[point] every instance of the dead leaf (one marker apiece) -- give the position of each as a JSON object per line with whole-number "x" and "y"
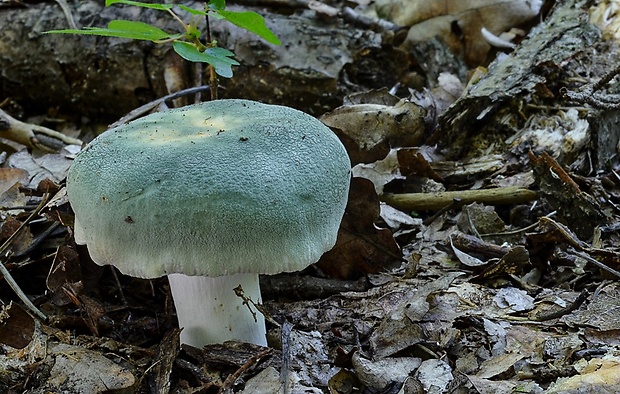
{"x": 78, "y": 370}
{"x": 603, "y": 311}
{"x": 65, "y": 270}
{"x": 511, "y": 263}
{"x": 167, "y": 352}
{"x": 465, "y": 258}
{"x": 10, "y": 176}
{"x": 92, "y": 310}
{"x": 22, "y": 241}
{"x": 511, "y": 300}
{"x": 16, "y": 326}
{"x": 412, "y": 162}
{"x": 40, "y": 166}
{"x": 401, "y": 328}
{"x": 381, "y": 172}
{"x": 435, "y": 375}
{"x": 378, "y": 374}
{"x": 598, "y": 376}
{"x": 361, "y": 247}
{"x": 479, "y": 219}
{"x": 11, "y": 180}
{"x": 368, "y": 131}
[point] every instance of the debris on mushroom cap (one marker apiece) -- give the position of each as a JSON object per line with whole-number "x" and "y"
{"x": 217, "y": 188}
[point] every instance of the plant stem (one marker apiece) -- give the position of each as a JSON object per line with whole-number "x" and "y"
{"x": 213, "y": 82}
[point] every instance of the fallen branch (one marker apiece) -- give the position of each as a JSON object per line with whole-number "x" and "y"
{"x": 32, "y": 135}
{"x": 435, "y": 201}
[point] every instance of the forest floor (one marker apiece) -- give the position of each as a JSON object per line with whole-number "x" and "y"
{"x": 478, "y": 253}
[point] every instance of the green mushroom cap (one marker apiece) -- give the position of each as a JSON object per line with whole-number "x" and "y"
{"x": 217, "y": 188}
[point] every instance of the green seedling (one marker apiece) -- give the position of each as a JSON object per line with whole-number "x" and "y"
{"x": 187, "y": 43}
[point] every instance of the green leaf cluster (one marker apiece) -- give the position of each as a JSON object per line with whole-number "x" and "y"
{"x": 187, "y": 43}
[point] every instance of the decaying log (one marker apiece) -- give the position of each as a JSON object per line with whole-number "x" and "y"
{"x": 496, "y": 106}
{"x": 318, "y": 62}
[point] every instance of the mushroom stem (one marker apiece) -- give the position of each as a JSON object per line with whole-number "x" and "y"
{"x": 209, "y": 311}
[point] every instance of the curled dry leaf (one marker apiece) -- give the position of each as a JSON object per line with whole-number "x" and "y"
{"x": 11, "y": 180}
{"x": 368, "y": 131}
{"x": 381, "y": 172}
{"x": 466, "y": 259}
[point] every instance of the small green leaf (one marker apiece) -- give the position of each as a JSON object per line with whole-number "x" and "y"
{"x": 161, "y": 7}
{"x": 252, "y": 22}
{"x": 122, "y": 29}
{"x": 216, "y": 5}
{"x": 219, "y": 58}
{"x": 192, "y": 11}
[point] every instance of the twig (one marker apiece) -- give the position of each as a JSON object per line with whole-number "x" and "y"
{"x": 457, "y": 203}
{"x": 232, "y": 378}
{"x": 118, "y": 284}
{"x": 377, "y": 25}
{"x": 38, "y": 240}
{"x": 574, "y": 305}
{"x": 589, "y": 259}
{"x": 5, "y": 272}
{"x": 67, "y": 11}
{"x": 33, "y": 135}
{"x": 435, "y": 201}
{"x": 588, "y": 93}
{"x": 248, "y": 302}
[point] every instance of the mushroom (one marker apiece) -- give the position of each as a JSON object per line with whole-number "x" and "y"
{"x": 211, "y": 195}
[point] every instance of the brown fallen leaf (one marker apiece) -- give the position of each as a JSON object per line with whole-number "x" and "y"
{"x": 368, "y": 131}
{"x": 16, "y": 326}
{"x": 362, "y": 247}
{"x": 598, "y": 376}
{"x": 65, "y": 270}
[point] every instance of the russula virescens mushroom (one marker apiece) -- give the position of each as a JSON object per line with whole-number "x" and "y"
{"x": 211, "y": 195}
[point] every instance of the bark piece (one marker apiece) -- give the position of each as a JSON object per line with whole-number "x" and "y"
{"x": 478, "y": 119}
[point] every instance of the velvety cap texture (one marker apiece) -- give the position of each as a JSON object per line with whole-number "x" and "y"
{"x": 217, "y": 188}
